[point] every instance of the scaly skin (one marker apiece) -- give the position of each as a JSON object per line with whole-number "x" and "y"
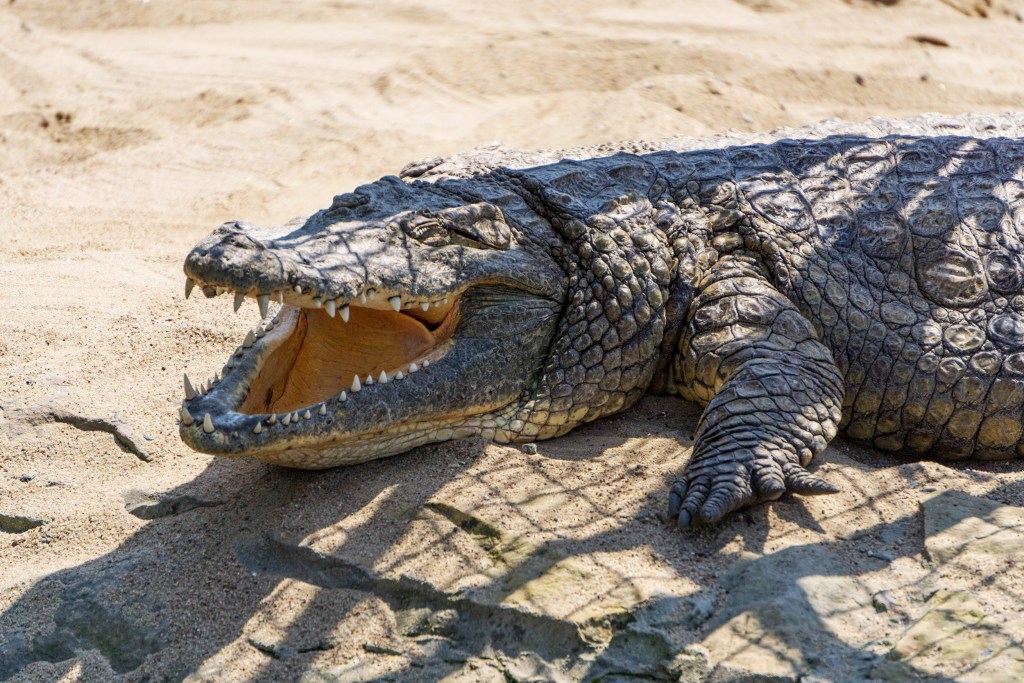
{"x": 866, "y": 279}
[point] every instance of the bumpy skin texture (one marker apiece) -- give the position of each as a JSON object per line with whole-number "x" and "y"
{"x": 865, "y": 279}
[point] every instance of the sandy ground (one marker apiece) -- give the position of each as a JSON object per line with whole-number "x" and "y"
{"x": 129, "y": 130}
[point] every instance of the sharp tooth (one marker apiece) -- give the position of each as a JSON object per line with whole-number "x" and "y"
{"x": 279, "y": 297}
{"x": 298, "y": 289}
{"x": 383, "y": 379}
{"x": 343, "y": 397}
{"x": 239, "y": 298}
{"x": 323, "y": 409}
{"x": 260, "y": 332}
{"x": 258, "y": 428}
{"x": 437, "y": 303}
{"x": 249, "y": 340}
{"x": 264, "y": 302}
{"x": 369, "y": 381}
{"x": 186, "y": 417}
{"x": 330, "y": 307}
{"x": 272, "y": 420}
{"x": 344, "y": 312}
{"x": 362, "y": 297}
{"x": 189, "y": 284}
{"x": 396, "y": 302}
{"x": 269, "y": 326}
{"x": 356, "y": 385}
{"x": 307, "y": 415}
{"x": 287, "y": 419}
{"x": 426, "y": 363}
{"x": 371, "y": 294}
{"x": 295, "y": 416}
{"x": 425, "y": 305}
{"x": 414, "y": 368}
{"x": 208, "y": 424}
{"x": 220, "y": 290}
{"x": 317, "y": 303}
{"x": 190, "y": 392}
{"x": 399, "y": 375}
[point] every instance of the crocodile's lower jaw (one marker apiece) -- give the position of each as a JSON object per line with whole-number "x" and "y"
{"x": 285, "y": 392}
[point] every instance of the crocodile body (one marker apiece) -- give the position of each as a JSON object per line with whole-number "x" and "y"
{"x": 866, "y": 279}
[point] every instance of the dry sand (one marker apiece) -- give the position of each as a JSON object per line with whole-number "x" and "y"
{"x": 129, "y": 130}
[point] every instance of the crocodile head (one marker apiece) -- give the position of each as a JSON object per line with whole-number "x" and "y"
{"x": 396, "y": 328}
{"x": 408, "y": 315}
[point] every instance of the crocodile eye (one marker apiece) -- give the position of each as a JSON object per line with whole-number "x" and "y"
{"x": 480, "y": 224}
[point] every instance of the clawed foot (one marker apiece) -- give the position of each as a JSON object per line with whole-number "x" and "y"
{"x": 715, "y": 486}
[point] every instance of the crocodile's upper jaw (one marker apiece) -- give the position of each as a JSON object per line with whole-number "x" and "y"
{"x": 382, "y": 357}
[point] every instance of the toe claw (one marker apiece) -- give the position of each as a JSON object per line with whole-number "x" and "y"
{"x": 798, "y": 480}
{"x": 812, "y": 486}
{"x": 769, "y": 484}
{"x": 685, "y": 501}
{"x": 711, "y": 512}
{"x": 675, "y": 499}
{"x": 721, "y": 503}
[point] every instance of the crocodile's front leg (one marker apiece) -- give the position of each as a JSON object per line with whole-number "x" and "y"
{"x": 772, "y": 391}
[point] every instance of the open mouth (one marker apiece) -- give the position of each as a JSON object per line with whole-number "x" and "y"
{"x": 312, "y": 357}
{"x": 322, "y": 356}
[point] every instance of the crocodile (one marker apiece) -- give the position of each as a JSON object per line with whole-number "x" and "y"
{"x": 857, "y": 278}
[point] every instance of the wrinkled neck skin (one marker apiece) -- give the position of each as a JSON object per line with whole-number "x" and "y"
{"x": 631, "y": 260}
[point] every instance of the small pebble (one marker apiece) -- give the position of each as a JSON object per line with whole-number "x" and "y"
{"x": 715, "y": 86}
{"x": 28, "y": 476}
{"x": 530, "y": 448}
{"x": 886, "y": 555}
{"x": 883, "y": 601}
